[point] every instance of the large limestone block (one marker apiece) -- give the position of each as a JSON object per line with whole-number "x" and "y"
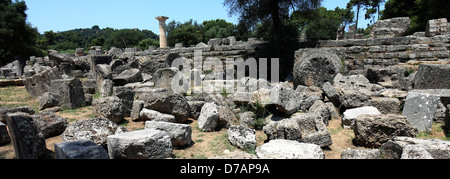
{"x": 28, "y": 141}
{"x": 420, "y": 109}
{"x": 288, "y": 149}
{"x": 389, "y": 28}
{"x": 142, "y": 144}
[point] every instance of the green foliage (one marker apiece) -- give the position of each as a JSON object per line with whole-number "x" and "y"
{"x": 218, "y": 28}
{"x": 188, "y": 33}
{"x": 64, "y": 46}
{"x": 259, "y": 123}
{"x": 322, "y": 24}
{"x": 146, "y": 43}
{"x": 419, "y": 11}
{"x": 124, "y": 38}
{"x": 85, "y": 38}
{"x": 17, "y": 37}
{"x": 359, "y": 4}
{"x": 273, "y": 16}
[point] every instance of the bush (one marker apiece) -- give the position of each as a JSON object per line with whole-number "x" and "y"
{"x": 146, "y": 43}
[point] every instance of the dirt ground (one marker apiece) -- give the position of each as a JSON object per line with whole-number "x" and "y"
{"x": 205, "y": 144}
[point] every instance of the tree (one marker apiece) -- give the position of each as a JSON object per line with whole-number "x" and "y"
{"x": 124, "y": 38}
{"x": 188, "y": 33}
{"x": 274, "y": 15}
{"x": 146, "y": 43}
{"x": 50, "y": 37}
{"x": 322, "y": 24}
{"x": 358, "y": 4}
{"x": 373, "y": 8}
{"x": 17, "y": 37}
{"x": 418, "y": 11}
{"x": 218, "y": 28}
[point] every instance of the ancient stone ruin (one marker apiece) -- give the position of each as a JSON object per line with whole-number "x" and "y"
{"x": 389, "y": 88}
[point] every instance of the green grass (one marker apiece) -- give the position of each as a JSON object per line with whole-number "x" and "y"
{"x": 437, "y": 132}
{"x": 220, "y": 144}
{"x": 13, "y": 96}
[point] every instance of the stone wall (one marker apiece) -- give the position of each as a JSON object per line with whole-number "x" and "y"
{"x": 220, "y": 49}
{"x": 391, "y": 61}
{"x": 359, "y": 53}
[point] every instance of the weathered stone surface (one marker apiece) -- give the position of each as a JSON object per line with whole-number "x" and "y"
{"x": 80, "y": 149}
{"x": 106, "y": 88}
{"x": 432, "y": 76}
{"x": 313, "y": 129}
{"x": 138, "y": 105}
{"x": 394, "y": 27}
{"x": 316, "y": 67}
{"x": 96, "y": 130}
{"x": 414, "y": 152}
{"x": 70, "y": 92}
{"x": 5, "y": 111}
{"x": 167, "y": 78}
{"x": 27, "y": 140}
{"x": 447, "y": 118}
{"x": 50, "y": 124}
{"x": 360, "y": 154}
{"x": 58, "y": 58}
{"x": 102, "y": 72}
{"x": 125, "y": 94}
{"x": 4, "y": 136}
{"x": 89, "y": 86}
{"x": 167, "y": 102}
{"x": 407, "y": 147}
{"x": 243, "y": 137}
{"x": 287, "y": 149}
{"x": 286, "y": 99}
{"x": 305, "y": 128}
{"x": 247, "y": 118}
{"x": 209, "y": 117}
{"x": 356, "y": 82}
{"x": 322, "y": 109}
{"x": 99, "y": 59}
{"x": 12, "y": 82}
{"x": 48, "y": 100}
{"x": 41, "y": 82}
{"x": 352, "y": 91}
{"x": 127, "y": 76}
{"x": 420, "y": 109}
{"x": 226, "y": 116}
{"x": 180, "y": 134}
{"x": 195, "y": 108}
{"x": 350, "y": 115}
{"x": 374, "y": 130}
{"x": 386, "y": 105}
{"x": 152, "y": 115}
{"x": 142, "y": 144}
{"x": 287, "y": 128}
{"x": 436, "y": 27}
{"x": 109, "y": 108}
{"x": 331, "y": 93}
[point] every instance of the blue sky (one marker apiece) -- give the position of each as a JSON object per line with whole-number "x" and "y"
{"x": 61, "y": 15}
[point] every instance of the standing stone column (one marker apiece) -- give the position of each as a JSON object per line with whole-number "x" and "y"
{"x": 162, "y": 31}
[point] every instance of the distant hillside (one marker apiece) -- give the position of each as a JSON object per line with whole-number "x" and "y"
{"x": 87, "y": 37}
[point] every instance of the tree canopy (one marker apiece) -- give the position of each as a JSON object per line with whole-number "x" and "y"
{"x": 18, "y": 38}
{"x": 320, "y": 23}
{"x": 192, "y": 33}
{"x": 273, "y": 17}
{"x": 418, "y": 11}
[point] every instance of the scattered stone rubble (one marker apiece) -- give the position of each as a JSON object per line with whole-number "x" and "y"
{"x": 386, "y": 98}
